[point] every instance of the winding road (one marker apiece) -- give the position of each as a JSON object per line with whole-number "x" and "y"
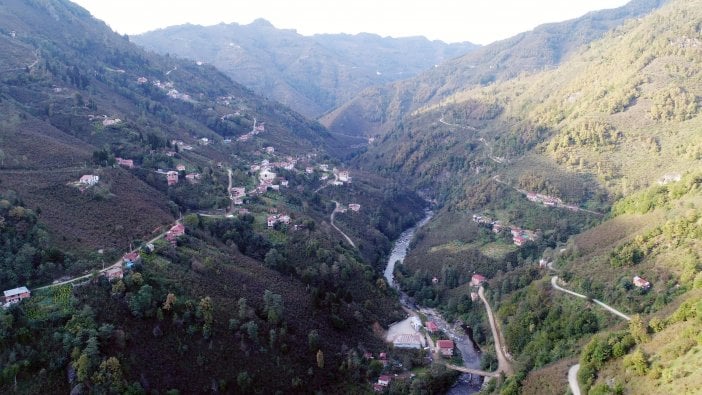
{"x": 554, "y": 283}
{"x": 503, "y": 365}
{"x": 117, "y": 263}
{"x": 331, "y": 219}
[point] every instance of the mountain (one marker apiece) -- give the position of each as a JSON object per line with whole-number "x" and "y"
{"x": 380, "y": 108}
{"x": 106, "y": 147}
{"x": 592, "y": 171}
{"x": 311, "y": 74}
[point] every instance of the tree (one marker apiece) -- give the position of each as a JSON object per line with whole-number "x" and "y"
{"x": 244, "y": 380}
{"x": 313, "y": 339}
{"x": 274, "y": 306}
{"x": 206, "y": 308}
{"x": 170, "y": 301}
{"x": 320, "y": 359}
{"x": 109, "y": 377}
{"x": 637, "y": 329}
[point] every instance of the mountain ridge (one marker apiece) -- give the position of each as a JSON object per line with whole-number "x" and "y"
{"x": 312, "y": 74}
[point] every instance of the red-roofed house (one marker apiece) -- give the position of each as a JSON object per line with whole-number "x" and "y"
{"x": 477, "y": 279}
{"x": 432, "y": 327}
{"x": 641, "y": 282}
{"x": 445, "y": 347}
{"x": 131, "y": 258}
{"x": 114, "y": 273}
{"x": 128, "y": 163}
{"x": 176, "y": 231}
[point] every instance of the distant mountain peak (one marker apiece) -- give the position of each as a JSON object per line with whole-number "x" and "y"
{"x": 262, "y": 23}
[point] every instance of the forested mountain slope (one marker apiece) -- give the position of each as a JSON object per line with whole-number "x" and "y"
{"x": 379, "y": 109}
{"x": 311, "y": 74}
{"x": 231, "y": 305}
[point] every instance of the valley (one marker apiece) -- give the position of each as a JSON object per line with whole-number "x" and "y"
{"x": 250, "y": 210}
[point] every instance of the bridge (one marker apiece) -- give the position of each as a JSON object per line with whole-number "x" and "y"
{"x": 472, "y": 371}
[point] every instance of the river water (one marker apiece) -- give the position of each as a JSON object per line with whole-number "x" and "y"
{"x": 471, "y": 357}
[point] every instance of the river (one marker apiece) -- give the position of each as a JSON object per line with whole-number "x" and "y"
{"x": 471, "y": 358}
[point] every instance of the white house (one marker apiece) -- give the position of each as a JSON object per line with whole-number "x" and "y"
{"x": 408, "y": 341}
{"x": 89, "y": 179}
{"x": 266, "y": 176}
{"x": 15, "y": 295}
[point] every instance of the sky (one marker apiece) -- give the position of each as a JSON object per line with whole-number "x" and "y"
{"x": 477, "y": 21}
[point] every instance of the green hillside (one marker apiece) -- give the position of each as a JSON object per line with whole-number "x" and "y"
{"x": 380, "y": 109}
{"x": 613, "y": 133}
{"x": 311, "y": 74}
{"x": 231, "y": 306}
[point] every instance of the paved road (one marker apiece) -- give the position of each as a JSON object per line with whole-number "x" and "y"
{"x": 503, "y": 364}
{"x": 331, "y": 218}
{"x": 554, "y": 283}
{"x": 573, "y": 379}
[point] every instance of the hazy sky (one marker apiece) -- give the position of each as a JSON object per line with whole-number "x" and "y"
{"x": 478, "y": 21}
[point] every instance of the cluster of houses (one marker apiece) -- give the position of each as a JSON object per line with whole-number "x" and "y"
{"x": 173, "y": 176}
{"x": 519, "y": 236}
{"x": 256, "y": 129}
{"x": 549, "y": 201}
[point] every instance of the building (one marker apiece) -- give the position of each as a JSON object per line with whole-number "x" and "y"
{"x": 130, "y": 258}
{"x": 266, "y": 176}
{"x": 408, "y": 341}
{"x": 309, "y": 170}
{"x": 114, "y": 273}
{"x": 89, "y": 179}
{"x": 180, "y": 167}
{"x": 416, "y": 323}
{"x": 474, "y": 296}
{"x": 128, "y": 163}
{"x": 15, "y": 295}
{"x": 344, "y": 176}
{"x": 355, "y": 207}
{"x": 432, "y": 327}
{"x": 176, "y": 231}
{"x": 172, "y": 177}
{"x": 641, "y": 282}
{"x": 270, "y": 150}
{"x": 477, "y": 279}
{"x": 519, "y": 240}
{"x": 384, "y": 380}
{"x": 193, "y": 177}
{"x": 271, "y": 220}
{"x": 142, "y": 80}
{"x": 111, "y": 122}
{"x": 497, "y": 227}
{"x": 445, "y": 347}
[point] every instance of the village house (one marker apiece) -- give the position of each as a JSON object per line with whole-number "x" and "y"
{"x": 474, "y": 296}
{"x": 128, "y": 163}
{"x": 324, "y": 177}
{"x": 344, "y": 176}
{"x": 408, "y": 341}
{"x": 477, "y": 279}
{"x": 176, "y": 231}
{"x": 110, "y": 122}
{"x": 142, "y": 80}
{"x": 519, "y": 240}
{"x": 445, "y": 347}
{"x": 355, "y": 207}
{"x": 324, "y": 167}
{"x": 193, "y": 177}
{"x": 497, "y": 227}
{"x": 272, "y": 220}
{"x": 270, "y": 150}
{"x": 89, "y": 179}
{"x": 416, "y": 323}
{"x": 204, "y": 141}
{"x": 284, "y": 183}
{"x": 172, "y": 177}
{"x": 114, "y": 273}
{"x": 14, "y": 295}
{"x": 641, "y": 282}
{"x": 266, "y": 175}
{"x": 130, "y": 258}
{"x": 180, "y": 167}
{"x": 309, "y": 170}
{"x": 432, "y": 327}
{"x": 261, "y": 127}
{"x": 384, "y": 380}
